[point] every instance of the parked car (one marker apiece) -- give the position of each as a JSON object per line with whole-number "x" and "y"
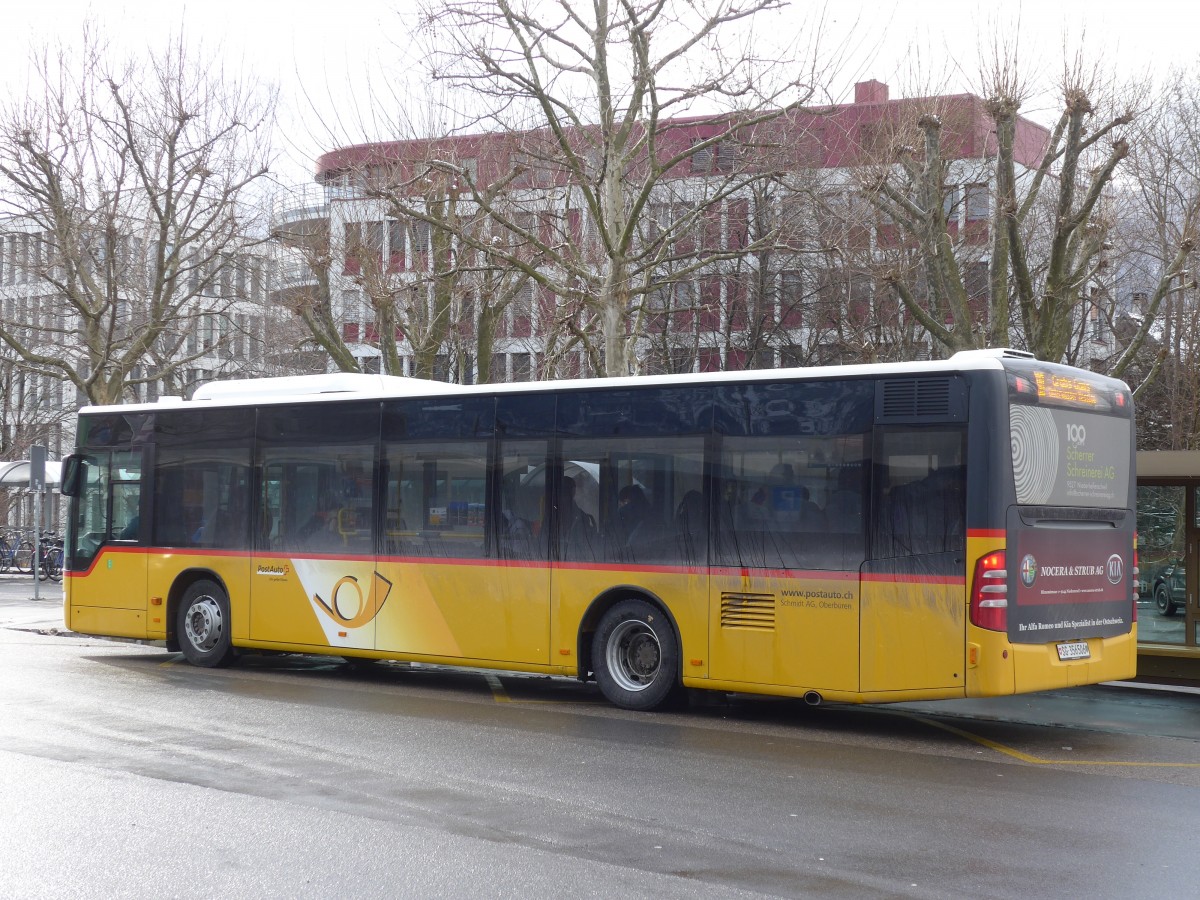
{"x": 1165, "y": 584}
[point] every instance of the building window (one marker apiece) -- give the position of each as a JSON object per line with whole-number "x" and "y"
{"x": 208, "y": 331}
{"x": 419, "y": 237}
{"x": 522, "y": 314}
{"x": 718, "y": 157}
{"x": 950, "y": 203}
{"x": 353, "y": 248}
{"x": 977, "y": 203}
{"x": 375, "y": 239}
{"x": 498, "y": 369}
{"x": 522, "y": 367}
{"x": 395, "y": 243}
{"x": 791, "y": 298}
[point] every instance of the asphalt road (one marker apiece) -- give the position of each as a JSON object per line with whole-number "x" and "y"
{"x": 125, "y": 771}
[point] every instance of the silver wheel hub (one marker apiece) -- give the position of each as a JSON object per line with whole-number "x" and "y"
{"x": 204, "y": 624}
{"x": 633, "y": 655}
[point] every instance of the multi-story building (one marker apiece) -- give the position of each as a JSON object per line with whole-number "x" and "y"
{"x": 789, "y": 268}
{"x": 216, "y": 327}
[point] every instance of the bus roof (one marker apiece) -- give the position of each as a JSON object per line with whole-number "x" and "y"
{"x": 346, "y": 385}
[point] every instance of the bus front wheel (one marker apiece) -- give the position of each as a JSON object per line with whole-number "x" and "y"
{"x": 203, "y": 626}
{"x": 635, "y": 654}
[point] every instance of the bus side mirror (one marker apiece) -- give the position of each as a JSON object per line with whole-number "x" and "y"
{"x": 72, "y": 475}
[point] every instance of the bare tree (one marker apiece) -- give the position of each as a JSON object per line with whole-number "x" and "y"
{"x": 594, "y": 97}
{"x": 306, "y": 259}
{"x": 1150, "y": 297}
{"x": 126, "y": 187}
{"x": 1048, "y": 210}
{"x": 418, "y": 279}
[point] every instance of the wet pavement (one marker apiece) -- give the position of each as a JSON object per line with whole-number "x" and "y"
{"x": 19, "y": 609}
{"x": 1133, "y": 707}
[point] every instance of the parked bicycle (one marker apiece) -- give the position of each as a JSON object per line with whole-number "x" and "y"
{"x": 50, "y": 556}
{"x": 16, "y": 553}
{"x": 7, "y": 550}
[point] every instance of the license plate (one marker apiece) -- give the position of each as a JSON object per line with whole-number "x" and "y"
{"x": 1074, "y": 650}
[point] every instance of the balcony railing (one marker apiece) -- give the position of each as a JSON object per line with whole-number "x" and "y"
{"x": 308, "y": 204}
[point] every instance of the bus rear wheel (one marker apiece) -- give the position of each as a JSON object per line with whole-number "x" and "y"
{"x": 202, "y": 627}
{"x": 635, "y": 655}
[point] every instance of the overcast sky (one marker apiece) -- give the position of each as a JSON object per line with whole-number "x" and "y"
{"x": 315, "y": 52}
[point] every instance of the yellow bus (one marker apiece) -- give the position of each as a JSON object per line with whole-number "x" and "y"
{"x": 941, "y": 529}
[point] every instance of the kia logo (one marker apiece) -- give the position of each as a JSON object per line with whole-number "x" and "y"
{"x": 1116, "y": 568}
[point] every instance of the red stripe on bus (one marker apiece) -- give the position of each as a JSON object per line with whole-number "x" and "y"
{"x": 715, "y": 571}
{"x": 913, "y": 578}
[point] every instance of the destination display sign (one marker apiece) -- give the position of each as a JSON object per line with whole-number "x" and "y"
{"x": 1065, "y": 389}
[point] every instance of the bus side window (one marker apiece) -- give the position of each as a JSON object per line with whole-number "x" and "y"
{"x": 127, "y": 520}
{"x": 843, "y": 511}
{"x": 922, "y": 493}
{"x": 126, "y": 494}
{"x": 520, "y": 522}
{"x": 436, "y": 498}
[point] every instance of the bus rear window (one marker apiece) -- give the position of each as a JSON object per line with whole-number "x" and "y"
{"x": 1068, "y": 457}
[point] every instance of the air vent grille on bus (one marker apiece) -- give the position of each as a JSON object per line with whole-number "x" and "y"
{"x": 752, "y": 611}
{"x": 916, "y": 397}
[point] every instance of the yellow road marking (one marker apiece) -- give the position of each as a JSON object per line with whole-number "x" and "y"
{"x": 1037, "y": 760}
{"x": 498, "y": 692}
{"x": 501, "y": 696}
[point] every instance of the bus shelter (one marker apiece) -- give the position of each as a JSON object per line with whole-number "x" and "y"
{"x": 16, "y": 499}
{"x": 1168, "y": 525}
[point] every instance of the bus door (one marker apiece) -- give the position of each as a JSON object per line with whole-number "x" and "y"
{"x": 914, "y": 583}
{"x": 788, "y": 513}
{"x": 461, "y": 560}
{"x": 456, "y": 593}
{"x": 107, "y": 539}
{"x": 785, "y": 597}
{"x": 313, "y": 573}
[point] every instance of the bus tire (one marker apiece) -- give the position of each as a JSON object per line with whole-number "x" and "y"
{"x": 635, "y": 656}
{"x": 202, "y": 626}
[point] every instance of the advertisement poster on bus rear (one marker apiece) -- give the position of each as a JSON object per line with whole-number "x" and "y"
{"x": 1068, "y": 583}
{"x": 1065, "y": 457}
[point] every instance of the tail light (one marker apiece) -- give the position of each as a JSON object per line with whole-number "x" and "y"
{"x": 1135, "y": 578}
{"x": 989, "y": 593}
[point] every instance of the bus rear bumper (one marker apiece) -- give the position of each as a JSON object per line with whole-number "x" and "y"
{"x": 1006, "y": 668}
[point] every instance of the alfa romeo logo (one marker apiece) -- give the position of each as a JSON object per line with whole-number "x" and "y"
{"x": 1028, "y": 570}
